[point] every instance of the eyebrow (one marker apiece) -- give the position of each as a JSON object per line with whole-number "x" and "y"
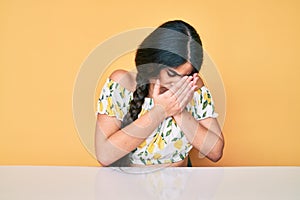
{"x": 177, "y": 73}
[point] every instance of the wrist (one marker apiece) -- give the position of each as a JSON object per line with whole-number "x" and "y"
{"x": 179, "y": 114}
{"x": 159, "y": 113}
{"x": 179, "y": 117}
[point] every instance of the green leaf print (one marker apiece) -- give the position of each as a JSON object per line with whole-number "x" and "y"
{"x": 204, "y": 105}
{"x": 119, "y": 104}
{"x": 122, "y": 93}
{"x": 140, "y": 153}
{"x": 169, "y": 123}
{"x": 159, "y": 127}
{"x": 146, "y": 153}
{"x": 174, "y": 154}
{"x": 181, "y": 156}
{"x": 201, "y": 98}
{"x": 204, "y": 114}
{"x": 155, "y": 137}
{"x": 143, "y": 160}
{"x": 158, "y": 161}
{"x": 174, "y": 139}
{"x": 168, "y": 133}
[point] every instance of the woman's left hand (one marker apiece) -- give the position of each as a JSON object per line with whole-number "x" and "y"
{"x": 197, "y": 83}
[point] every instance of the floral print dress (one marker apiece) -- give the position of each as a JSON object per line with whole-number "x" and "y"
{"x": 166, "y": 144}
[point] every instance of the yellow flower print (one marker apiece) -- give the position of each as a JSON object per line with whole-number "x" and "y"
{"x": 143, "y": 111}
{"x": 122, "y": 93}
{"x": 167, "y": 161}
{"x": 148, "y": 162}
{"x": 157, "y": 156}
{"x": 110, "y": 84}
{"x": 160, "y": 142}
{"x": 152, "y": 143}
{"x": 108, "y": 108}
{"x": 100, "y": 106}
{"x": 150, "y": 147}
{"x": 178, "y": 144}
{"x": 193, "y": 102}
{"x": 118, "y": 110}
{"x": 142, "y": 144}
{"x": 109, "y": 101}
{"x": 207, "y": 98}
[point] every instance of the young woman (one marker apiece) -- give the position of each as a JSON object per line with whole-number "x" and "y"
{"x": 155, "y": 117}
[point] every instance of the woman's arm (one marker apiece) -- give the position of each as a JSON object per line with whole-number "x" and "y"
{"x": 205, "y": 135}
{"x": 112, "y": 142}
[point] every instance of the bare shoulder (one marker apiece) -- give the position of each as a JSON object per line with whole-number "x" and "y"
{"x": 124, "y": 78}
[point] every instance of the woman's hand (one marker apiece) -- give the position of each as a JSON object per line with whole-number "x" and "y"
{"x": 174, "y": 100}
{"x": 197, "y": 83}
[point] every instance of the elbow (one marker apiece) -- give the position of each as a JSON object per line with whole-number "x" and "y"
{"x": 102, "y": 164}
{"x": 217, "y": 153}
{"x": 102, "y": 157}
{"x": 216, "y": 157}
{"x": 103, "y": 161}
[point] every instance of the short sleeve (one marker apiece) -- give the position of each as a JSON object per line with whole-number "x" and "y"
{"x": 202, "y": 105}
{"x": 113, "y": 100}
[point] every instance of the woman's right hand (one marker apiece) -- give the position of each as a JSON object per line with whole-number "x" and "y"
{"x": 174, "y": 100}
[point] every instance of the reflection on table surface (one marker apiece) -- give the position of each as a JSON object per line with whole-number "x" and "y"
{"x": 49, "y": 182}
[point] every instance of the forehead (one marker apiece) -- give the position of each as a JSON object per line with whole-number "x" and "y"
{"x": 185, "y": 68}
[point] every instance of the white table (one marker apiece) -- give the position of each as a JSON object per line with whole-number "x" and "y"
{"x": 93, "y": 183}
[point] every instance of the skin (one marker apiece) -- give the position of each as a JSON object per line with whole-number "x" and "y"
{"x": 171, "y": 93}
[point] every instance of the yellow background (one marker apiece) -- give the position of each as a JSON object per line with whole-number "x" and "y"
{"x": 254, "y": 43}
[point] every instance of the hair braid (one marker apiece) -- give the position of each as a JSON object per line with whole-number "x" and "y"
{"x": 142, "y": 90}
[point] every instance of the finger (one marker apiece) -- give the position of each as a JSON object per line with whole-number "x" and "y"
{"x": 177, "y": 86}
{"x": 156, "y": 88}
{"x": 187, "y": 98}
{"x": 184, "y": 87}
{"x": 195, "y": 83}
{"x": 185, "y": 92}
{"x": 195, "y": 78}
{"x": 195, "y": 75}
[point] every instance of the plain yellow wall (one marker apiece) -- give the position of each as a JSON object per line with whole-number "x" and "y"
{"x": 254, "y": 43}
